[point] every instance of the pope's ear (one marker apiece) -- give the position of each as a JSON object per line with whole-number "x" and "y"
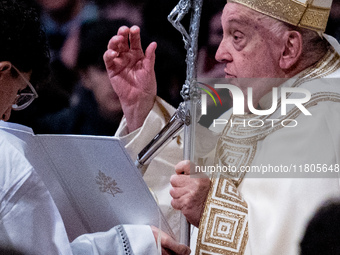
{"x": 292, "y": 49}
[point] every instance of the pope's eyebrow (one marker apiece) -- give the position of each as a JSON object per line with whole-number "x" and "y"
{"x": 243, "y": 22}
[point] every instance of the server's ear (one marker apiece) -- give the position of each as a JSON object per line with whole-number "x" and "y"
{"x": 5, "y": 66}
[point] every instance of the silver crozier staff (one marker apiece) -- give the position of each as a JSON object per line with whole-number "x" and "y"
{"x": 187, "y": 111}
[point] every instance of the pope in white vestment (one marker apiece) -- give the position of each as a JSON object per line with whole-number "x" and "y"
{"x": 295, "y": 150}
{"x": 277, "y": 209}
{"x": 252, "y": 213}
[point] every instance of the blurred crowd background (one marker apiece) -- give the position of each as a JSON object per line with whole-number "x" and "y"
{"x": 79, "y": 98}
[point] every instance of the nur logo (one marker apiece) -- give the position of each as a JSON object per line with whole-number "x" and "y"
{"x": 239, "y": 99}
{"x": 204, "y": 97}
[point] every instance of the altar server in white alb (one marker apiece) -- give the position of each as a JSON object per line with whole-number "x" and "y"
{"x": 282, "y": 43}
{"x": 29, "y": 219}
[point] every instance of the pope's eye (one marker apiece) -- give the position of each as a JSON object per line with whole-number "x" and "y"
{"x": 239, "y": 40}
{"x": 237, "y": 36}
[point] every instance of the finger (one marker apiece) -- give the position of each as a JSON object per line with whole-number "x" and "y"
{"x": 169, "y": 243}
{"x": 178, "y": 203}
{"x": 135, "y": 42}
{"x": 115, "y": 43}
{"x": 183, "y": 167}
{"x": 150, "y": 52}
{"x": 109, "y": 57}
{"x": 113, "y": 63}
{"x": 177, "y": 192}
{"x": 124, "y": 32}
{"x": 166, "y": 252}
{"x": 179, "y": 180}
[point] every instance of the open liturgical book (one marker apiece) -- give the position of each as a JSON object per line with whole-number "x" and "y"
{"x": 92, "y": 180}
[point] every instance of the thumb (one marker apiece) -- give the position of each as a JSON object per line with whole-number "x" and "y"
{"x": 177, "y": 248}
{"x": 183, "y": 167}
{"x": 150, "y": 52}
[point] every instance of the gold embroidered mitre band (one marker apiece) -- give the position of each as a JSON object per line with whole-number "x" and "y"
{"x": 311, "y": 14}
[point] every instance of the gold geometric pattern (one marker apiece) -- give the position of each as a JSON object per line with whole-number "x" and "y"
{"x": 292, "y": 12}
{"x": 228, "y": 192}
{"x": 234, "y": 156}
{"x": 224, "y": 224}
{"x": 219, "y": 220}
{"x": 225, "y": 227}
{"x": 315, "y": 19}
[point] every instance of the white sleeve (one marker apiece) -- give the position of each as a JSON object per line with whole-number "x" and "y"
{"x": 29, "y": 219}
{"x": 135, "y": 141}
{"x": 120, "y": 240}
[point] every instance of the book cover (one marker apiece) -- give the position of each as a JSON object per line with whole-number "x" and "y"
{"x": 92, "y": 180}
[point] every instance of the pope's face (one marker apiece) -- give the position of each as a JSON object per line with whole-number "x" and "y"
{"x": 249, "y": 50}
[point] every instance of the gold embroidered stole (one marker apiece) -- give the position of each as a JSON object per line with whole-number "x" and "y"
{"x": 224, "y": 224}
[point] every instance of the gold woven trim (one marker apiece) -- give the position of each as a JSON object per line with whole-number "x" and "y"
{"x": 315, "y": 19}
{"x": 224, "y": 224}
{"x": 297, "y": 14}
